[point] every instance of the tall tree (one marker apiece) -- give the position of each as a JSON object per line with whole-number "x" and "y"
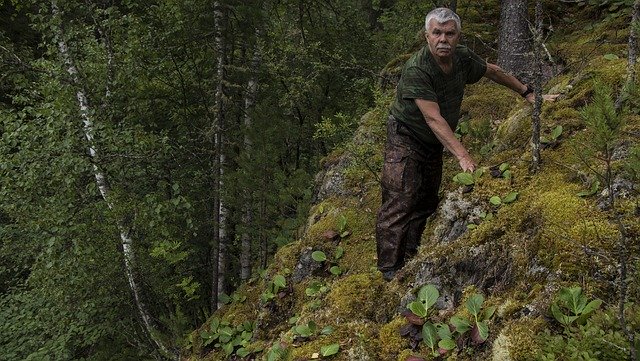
{"x": 85, "y": 110}
{"x": 514, "y": 39}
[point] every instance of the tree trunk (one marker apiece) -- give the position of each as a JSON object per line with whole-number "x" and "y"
{"x": 632, "y": 57}
{"x": 102, "y": 182}
{"x": 220, "y": 231}
{"x": 514, "y": 39}
{"x": 537, "y": 86}
{"x": 248, "y": 215}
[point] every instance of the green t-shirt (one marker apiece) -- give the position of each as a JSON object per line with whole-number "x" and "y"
{"x": 422, "y": 78}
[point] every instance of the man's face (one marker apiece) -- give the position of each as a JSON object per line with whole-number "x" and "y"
{"x": 442, "y": 38}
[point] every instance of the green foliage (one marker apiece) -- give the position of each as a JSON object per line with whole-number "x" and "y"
{"x": 329, "y": 350}
{"x": 277, "y": 283}
{"x": 468, "y": 179}
{"x": 319, "y": 256}
{"x": 571, "y": 306}
{"x": 231, "y": 339}
{"x": 599, "y": 338}
{"x": 427, "y": 297}
{"x": 602, "y": 119}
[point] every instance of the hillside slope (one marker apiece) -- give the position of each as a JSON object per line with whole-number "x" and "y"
{"x": 546, "y": 232}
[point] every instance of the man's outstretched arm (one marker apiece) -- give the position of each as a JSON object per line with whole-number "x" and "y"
{"x": 431, "y": 113}
{"x": 498, "y": 75}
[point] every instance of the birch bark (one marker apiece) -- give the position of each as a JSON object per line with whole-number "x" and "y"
{"x": 101, "y": 180}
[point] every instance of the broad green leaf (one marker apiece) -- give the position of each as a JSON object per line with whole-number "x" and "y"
{"x": 488, "y": 312}
{"x": 418, "y": 309}
{"x": 591, "y": 306}
{"x": 474, "y": 303}
{"x": 465, "y": 178}
{"x": 443, "y": 331}
{"x": 303, "y": 330}
{"x": 335, "y": 270}
{"x": 447, "y": 344}
{"x": 339, "y": 252}
{"x": 483, "y": 330}
{"x": 512, "y": 196}
{"x": 495, "y": 200}
{"x": 428, "y": 295}
{"x": 319, "y": 256}
{"x": 214, "y": 323}
{"x": 327, "y": 330}
{"x": 224, "y": 298}
{"x": 330, "y": 350}
{"x": 430, "y": 335}
{"x": 243, "y": 352}
{"x": 556, "y": 132}
{"x": 461, "y": 324}
{"x": 506, "y": 174}
{"x": 279, "y": 281}
{"x": 342, "y": 223}
{"x": 610, "y": 56}
{"x": 228, "y": 348}
{"x": 504, "y": 166}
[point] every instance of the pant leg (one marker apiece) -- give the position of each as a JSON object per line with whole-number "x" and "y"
{"x": 410, "y": 181}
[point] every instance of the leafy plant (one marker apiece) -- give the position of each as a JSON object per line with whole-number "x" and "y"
{"x": 306, "y": 330}
{"x": 509, "y": 198}
{"x": 319, "y": 256}
{"x": 468, "y": 179}
{"x": 553, "y": 138}
{"x": 501, "y": 171}
{"x": 571, "y": 306}
{"x": 315, "y": 288}
{"x": 595, "y": 186}
{"x": 231, "y": 339}
{"x": 427, "y": 297}
{"x": 329, "y": 350}
{"x": 277, "y": 283}
{"x": 342, "y": 226}
{"x": 480, "y": 329}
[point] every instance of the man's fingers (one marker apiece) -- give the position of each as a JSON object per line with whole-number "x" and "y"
{"x": 550, "y": 97}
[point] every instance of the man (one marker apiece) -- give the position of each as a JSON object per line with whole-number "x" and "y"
{"x": 421, "y": 123}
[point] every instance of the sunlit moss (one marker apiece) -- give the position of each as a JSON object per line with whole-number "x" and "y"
{"x": 391, "y": 343}
{"x": 522, "y": 346}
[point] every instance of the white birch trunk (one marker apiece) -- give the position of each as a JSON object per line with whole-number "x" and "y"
{"x": 101, "y": 181}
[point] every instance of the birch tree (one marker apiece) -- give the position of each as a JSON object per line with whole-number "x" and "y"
{"x": 85, "y": 112}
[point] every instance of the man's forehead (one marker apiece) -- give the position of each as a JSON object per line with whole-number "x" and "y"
{"x": 447, "y": 25}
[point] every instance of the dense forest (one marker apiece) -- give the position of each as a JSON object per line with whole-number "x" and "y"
{"x": 198, "y": 179}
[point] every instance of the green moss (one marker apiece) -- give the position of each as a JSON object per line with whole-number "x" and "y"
{"x": 391, "y": 343}
{"x": 360, "y": 296}
{"x": 521, "y": 345}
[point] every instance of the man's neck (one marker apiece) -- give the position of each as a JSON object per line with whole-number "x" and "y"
{"x": 445, "y": 63}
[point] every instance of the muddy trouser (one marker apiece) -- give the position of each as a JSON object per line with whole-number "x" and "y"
{"x": 411, "y": 178}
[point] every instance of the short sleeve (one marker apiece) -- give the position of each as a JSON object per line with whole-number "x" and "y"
{"x": 416, "y": 84}
{"x": 477, "y": 67}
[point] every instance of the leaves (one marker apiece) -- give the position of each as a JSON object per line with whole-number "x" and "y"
{"x": 474, "y": 304}
{"x": 464, "y": 178}
{"x": 430, "y": 336}
{"x": 319, "y": 256}
{"x": 330, "y": 350}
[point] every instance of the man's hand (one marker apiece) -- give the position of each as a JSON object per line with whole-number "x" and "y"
{"x": 467, "y": 164}
{"x": 531, "y": 98}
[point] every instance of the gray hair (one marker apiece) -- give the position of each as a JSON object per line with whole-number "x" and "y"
{"x": 442, "y": 15}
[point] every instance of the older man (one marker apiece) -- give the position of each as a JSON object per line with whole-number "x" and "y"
{"x": 422, "y": 120}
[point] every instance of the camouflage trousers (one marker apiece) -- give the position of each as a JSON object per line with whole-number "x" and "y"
{"x": 411, "y": 178}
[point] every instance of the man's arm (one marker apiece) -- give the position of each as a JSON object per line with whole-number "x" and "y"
{"x": 498, "y": 75}
{"x": 431, "y": 113}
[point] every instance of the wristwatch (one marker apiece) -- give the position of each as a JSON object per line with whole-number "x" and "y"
{"x": 526, "y": 92}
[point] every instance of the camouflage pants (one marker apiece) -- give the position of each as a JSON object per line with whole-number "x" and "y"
{"x": 411, "y": 178}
